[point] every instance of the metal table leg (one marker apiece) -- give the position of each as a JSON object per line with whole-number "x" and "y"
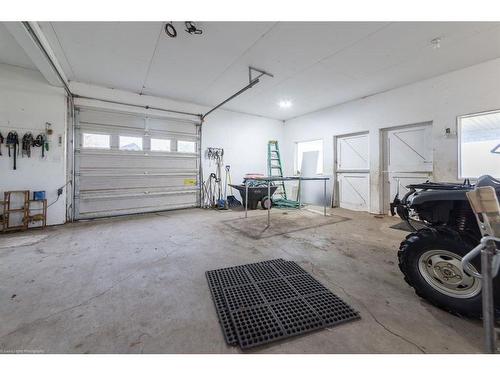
{"x": 246, "y": 199}
{"x": 299, "y": 192}
{"x": 324, "y": 198}
{"x": 269, "y": 199}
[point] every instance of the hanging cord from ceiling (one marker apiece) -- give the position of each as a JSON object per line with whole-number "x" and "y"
{"x": 1, "y": 141}
{"x": 143, "y": 86}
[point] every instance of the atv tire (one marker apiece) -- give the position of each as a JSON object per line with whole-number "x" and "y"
{"x": 412, "y": 251}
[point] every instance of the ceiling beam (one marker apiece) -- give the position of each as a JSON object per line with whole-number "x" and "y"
{"x": 32, "y": 40}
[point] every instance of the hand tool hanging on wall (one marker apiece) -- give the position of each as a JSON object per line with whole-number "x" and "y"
{"x": 41, "y": 141}
{"x": 214, "y": 153}
{"x": 26, "y": 144}
{"x": 1, "y": 141}
{"x": 12, "y": 142}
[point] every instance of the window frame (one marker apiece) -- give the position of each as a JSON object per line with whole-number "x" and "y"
{"x": 83, "y": 133}
{"x": 185, "y": 152}
{"x": 162, "y": 139}
{"x": 459, "y": 141}
{"x": 321, "y": 155}
{"x": 131, "y": 136}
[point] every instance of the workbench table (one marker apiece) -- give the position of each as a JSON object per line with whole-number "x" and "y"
{"x": 277, "y": 178}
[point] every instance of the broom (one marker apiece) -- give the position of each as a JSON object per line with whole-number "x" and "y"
{"x": 231, "y": 199}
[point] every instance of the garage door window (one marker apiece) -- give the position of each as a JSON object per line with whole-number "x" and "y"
{"x": 308, "y": 146}
{"x": 130, "y": 143}
{"x": 479, "y": 145}
{"x": 95, "y": 141}
{"x": 186, "y": 146}
{"x": 158, "y": 144}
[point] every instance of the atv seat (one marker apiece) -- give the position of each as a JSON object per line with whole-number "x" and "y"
{"x": 487, "y": 180}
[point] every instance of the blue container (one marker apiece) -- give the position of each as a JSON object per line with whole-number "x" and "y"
{"x": 38, "y": 195}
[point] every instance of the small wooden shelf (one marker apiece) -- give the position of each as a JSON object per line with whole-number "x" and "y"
{"x": 37, "y": 217}
{"x": 23, "y": 196}
{"x": 16, "y": 210}
{"x": 34, "y": 212}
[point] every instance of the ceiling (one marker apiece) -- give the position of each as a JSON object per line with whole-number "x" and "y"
{"x": 315, "y": 64}
{"x": 12, "y": 53}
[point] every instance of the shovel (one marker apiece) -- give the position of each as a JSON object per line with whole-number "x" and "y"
{"x": 231, "y": 199}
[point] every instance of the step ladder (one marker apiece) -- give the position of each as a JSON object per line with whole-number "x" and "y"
{"x": 275, "y": 168}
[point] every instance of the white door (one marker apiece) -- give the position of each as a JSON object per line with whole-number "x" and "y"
{"x": 353, "y": 172}
{"x": 407, "y": 159}
{"x": 128, "y": 163}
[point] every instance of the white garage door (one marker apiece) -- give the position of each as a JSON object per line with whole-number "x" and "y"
{"x": 353, "y": 172}
{"x": 128, "y": 163}
{"x": 408, "y": 158}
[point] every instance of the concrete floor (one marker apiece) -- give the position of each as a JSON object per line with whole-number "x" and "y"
{"x": 137, "y": 285}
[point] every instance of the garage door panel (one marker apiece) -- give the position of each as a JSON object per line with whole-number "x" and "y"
{"x": 139, "y": 182}
{"x": 112, "y": 182}
{"x": 173, "y": 126}
{"x": 145, "y": 162}
{"x": 115, "y": 131}
{"x": 354, "y": 191}
{"x": 352, "y": 152}
{"x": 92, "y": 206}
{"x": 102, "y": 118}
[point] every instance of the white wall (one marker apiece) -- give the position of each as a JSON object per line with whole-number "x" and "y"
{"x": 244, "y": 139}
{"x": 440, "y": 100}
{"x": 27, "y": 102}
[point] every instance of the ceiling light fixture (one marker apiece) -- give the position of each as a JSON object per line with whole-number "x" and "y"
{"x": 285, "y": 103}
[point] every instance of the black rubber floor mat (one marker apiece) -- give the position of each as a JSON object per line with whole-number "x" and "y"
{"x": 230, "y": 275}
{"x": 220, "y": 307}
{"x": 272, "y": 300}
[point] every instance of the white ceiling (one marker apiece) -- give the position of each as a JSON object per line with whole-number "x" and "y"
{"x": 315, "y": 65}
{"x": 11, "y": 52}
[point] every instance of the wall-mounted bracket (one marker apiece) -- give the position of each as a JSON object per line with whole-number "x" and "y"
{"x": 260, "y": 73}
